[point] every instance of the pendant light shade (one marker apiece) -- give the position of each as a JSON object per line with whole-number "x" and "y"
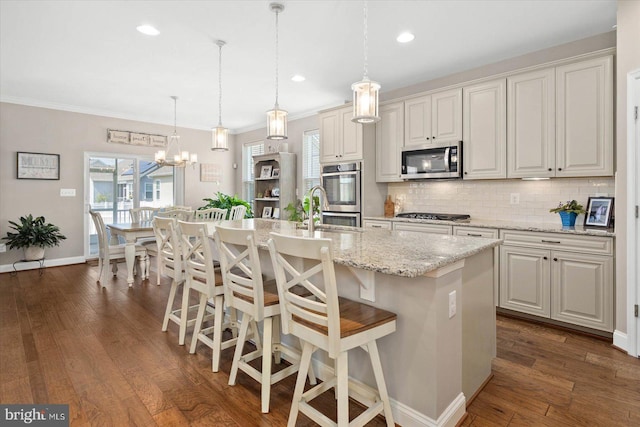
{"x": 174, "y": 155}
{"x": 220, "y": 136}
{"x": 276, "y": 118}
{"x": 365, "y": 92}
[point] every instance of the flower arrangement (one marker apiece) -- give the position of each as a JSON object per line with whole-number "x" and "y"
{"x": 571, "y": 206}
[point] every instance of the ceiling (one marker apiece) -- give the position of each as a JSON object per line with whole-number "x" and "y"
{"x": 87, "y": 56}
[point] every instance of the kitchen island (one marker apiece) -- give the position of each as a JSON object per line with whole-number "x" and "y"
{"x": 441, "y": 288}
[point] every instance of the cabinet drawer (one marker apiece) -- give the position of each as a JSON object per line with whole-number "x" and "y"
{"x": 423, "y": 228}
{"x": 491, "y": 233}
{"x": 556, "y": 241}
{"x": 380, "y": 225}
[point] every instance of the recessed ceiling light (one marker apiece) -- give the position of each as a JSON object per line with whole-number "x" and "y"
{"x": 298, "y": 78}
{"x": 148, "y": 30}
{"x": 405, "y": 37}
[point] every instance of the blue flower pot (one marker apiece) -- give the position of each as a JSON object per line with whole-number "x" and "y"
{"x": 568, "y": 218}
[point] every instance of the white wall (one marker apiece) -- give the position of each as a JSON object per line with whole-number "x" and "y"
{"x": 33, "y": 129}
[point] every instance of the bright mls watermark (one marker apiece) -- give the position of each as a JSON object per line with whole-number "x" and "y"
{"x": 37, "y": 415}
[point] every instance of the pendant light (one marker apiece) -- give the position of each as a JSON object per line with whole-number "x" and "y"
{"x": 365, "y": 92}
{"x": 220, "y": 137}
{"x": 174, "y": 156}
{"x": 276, "y": 118}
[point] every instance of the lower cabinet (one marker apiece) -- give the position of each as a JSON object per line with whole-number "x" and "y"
{"x": 423, "y": 228}
{"x": 571, "y": 286}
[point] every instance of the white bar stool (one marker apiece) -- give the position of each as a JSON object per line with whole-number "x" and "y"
{"x": 335, "y": 325}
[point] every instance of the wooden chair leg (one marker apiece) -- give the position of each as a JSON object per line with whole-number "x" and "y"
{"x": 267, "y": 342}
{"x": 342, "y": 388}
{"x": 217, "y": 332}
{"x": 372, "y": 348}
{"x": 242, "y": 338}
{"x": 200, "y": 316}
{"x": 311, "y": 374}
{"x": 169, "y": 309}
{"x": 305, "y": 361}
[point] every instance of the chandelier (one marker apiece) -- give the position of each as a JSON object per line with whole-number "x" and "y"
{"x": 276, "y": 118}
{"x": 220, "y": 136}
{"x": 174, "y": 156}
{"x": 365, "y": 92}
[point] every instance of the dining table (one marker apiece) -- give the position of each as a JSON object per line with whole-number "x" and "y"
{"x": 131, "y": 232}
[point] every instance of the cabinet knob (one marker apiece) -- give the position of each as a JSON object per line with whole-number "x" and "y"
{"x": 559, "y": 169}
{"x": 555, "y": 259}
{"x": 545, "y": 257}
{"x": 550, "y": 169}
{"x": 466, "y": 173}
{"x": 428, "y": 138}
{"x": 433, "y": 137}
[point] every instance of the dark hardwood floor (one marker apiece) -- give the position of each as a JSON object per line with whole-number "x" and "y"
{"x": 64, "y": 339}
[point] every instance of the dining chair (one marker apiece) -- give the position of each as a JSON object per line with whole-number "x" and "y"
{"x": 211, "y": 214}
{"x": 330, "y": 323}
{"x": 237, "y": 212}
{"x": 182, "y": 213}
{"x": 245, "y": 291}
{"x": 108, "y": 253}
{"x": 143, "y": 214}
{"x": 203, "y": 277}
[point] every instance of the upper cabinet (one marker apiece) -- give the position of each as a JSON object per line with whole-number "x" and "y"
{"x": 340, "y": 138}
{"x": 484, "y": 143}
{"x": 389, "y": 142}
{"x": 531, "y": 119}
{"x": 433, "y": 118}
{"x": 584, "y": 118}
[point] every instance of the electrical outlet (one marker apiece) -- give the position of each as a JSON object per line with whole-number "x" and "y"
{"x": 67, "y": 192}
{"x": 514, "y": 199}
{"x": 452, "y": 304}
{"x": 3, "y": 247}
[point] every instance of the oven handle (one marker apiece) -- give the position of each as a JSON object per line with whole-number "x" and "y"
{"x": 351, "y": 214}
{"x": 341, "y": 173}
{"x": 446, "y": 159}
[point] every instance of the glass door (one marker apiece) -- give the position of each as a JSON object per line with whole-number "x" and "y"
{"x": 114, "y": 184}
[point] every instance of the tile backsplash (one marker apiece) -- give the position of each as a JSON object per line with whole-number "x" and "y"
{"x": 491, "y": 200}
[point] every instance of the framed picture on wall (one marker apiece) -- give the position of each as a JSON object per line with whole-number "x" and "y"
{"x": 38, "y": 166}
{"x": 599, "y": 212}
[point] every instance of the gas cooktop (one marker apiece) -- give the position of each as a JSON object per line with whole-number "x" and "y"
{"x": 436, "y": 216}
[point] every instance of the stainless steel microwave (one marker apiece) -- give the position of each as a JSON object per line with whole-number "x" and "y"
{"x": 440, "y": 160}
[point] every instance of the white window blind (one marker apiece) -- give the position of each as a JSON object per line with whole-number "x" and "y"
{"x": 248, "y": 151}
{"x": 310, "y": 159}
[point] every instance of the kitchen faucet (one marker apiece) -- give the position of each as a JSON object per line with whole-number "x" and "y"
{"x": 325, "y": 205}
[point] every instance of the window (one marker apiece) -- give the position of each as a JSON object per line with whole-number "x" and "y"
{"x": 157, "y": 189}
{"x": 310, "y": 159}
{"x": 148, "y": 191}
{"x": 248, "y": 151}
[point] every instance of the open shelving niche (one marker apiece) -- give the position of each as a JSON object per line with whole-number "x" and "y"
{"x": 285, "y": 182}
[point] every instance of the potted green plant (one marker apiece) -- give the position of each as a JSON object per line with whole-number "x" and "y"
{"x": 224, "y": 201}
{"x": 568, "y": 212}
{"x": 299, "y": 211}
{"x": 33, "y": 235}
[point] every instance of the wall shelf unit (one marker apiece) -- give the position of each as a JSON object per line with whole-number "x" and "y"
{"x": 283, "y": 182}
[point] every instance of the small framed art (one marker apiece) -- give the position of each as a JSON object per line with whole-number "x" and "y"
{"x": 276, "y": 213}
{"x": 599, "y": 212}
{"x": 275, "y": 173}
{"x": 266, "y": 212}
{"x": 265, "y": 172}
{"x": 38, "y": 166}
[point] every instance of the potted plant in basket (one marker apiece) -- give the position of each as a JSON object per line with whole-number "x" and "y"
{"x": 568, "y": 212}
{"x": 224, "y": 201}
{"x": 33, "y": 235}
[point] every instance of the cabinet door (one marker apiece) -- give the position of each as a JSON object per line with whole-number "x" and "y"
{"x": 329, "y": 137}
{"x": 524, "y": 280}
{"x": 350, "y": 137}
{"x": 584, "y": 118}
{"x": 376, "y": 224}
{"x": 417, "y": 121}
{"x": 423, "y": 228}
{"x": 389, "y": 141}
{"x": 531, "y": 115}
{"x": 446, "y": 116}
{"x": 582, "y": 290}
{"x": 484, "y": 147}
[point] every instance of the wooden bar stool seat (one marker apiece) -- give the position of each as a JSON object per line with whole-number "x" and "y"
{"x": 335, "y": 325}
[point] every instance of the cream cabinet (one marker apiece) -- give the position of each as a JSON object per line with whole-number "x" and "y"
{"x": 490, "y": 233}
{"x": 433, "y": 118}
{"x": 389, "y": 142}
{"x": 484, "y": 146}
{"x": 423, "y": 228}
{"x": 568, "y": 278}
{"x": 376, "y": 224}
{"x": 584, "y": 118}
{"x": 274, "y": 191}
{"x": 531, "y": 124}
{"x": 340, "y": 138}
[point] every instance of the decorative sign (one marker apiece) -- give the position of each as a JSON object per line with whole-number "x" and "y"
{"x": 38, "y": 166}
{"x": 210, "y": 172}
{"x": 135, "y": 138}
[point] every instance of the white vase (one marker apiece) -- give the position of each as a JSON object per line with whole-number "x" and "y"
{"x": 33, "y": 253}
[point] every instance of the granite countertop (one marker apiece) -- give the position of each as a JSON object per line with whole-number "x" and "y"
{"x": 508, "y": 225}
{"x": 398, "y": 253}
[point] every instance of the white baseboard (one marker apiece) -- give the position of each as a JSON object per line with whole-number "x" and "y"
{"x": 404, "y": 415}
{"x": 620, "y": 340}
{"x": 34, "y": 265}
